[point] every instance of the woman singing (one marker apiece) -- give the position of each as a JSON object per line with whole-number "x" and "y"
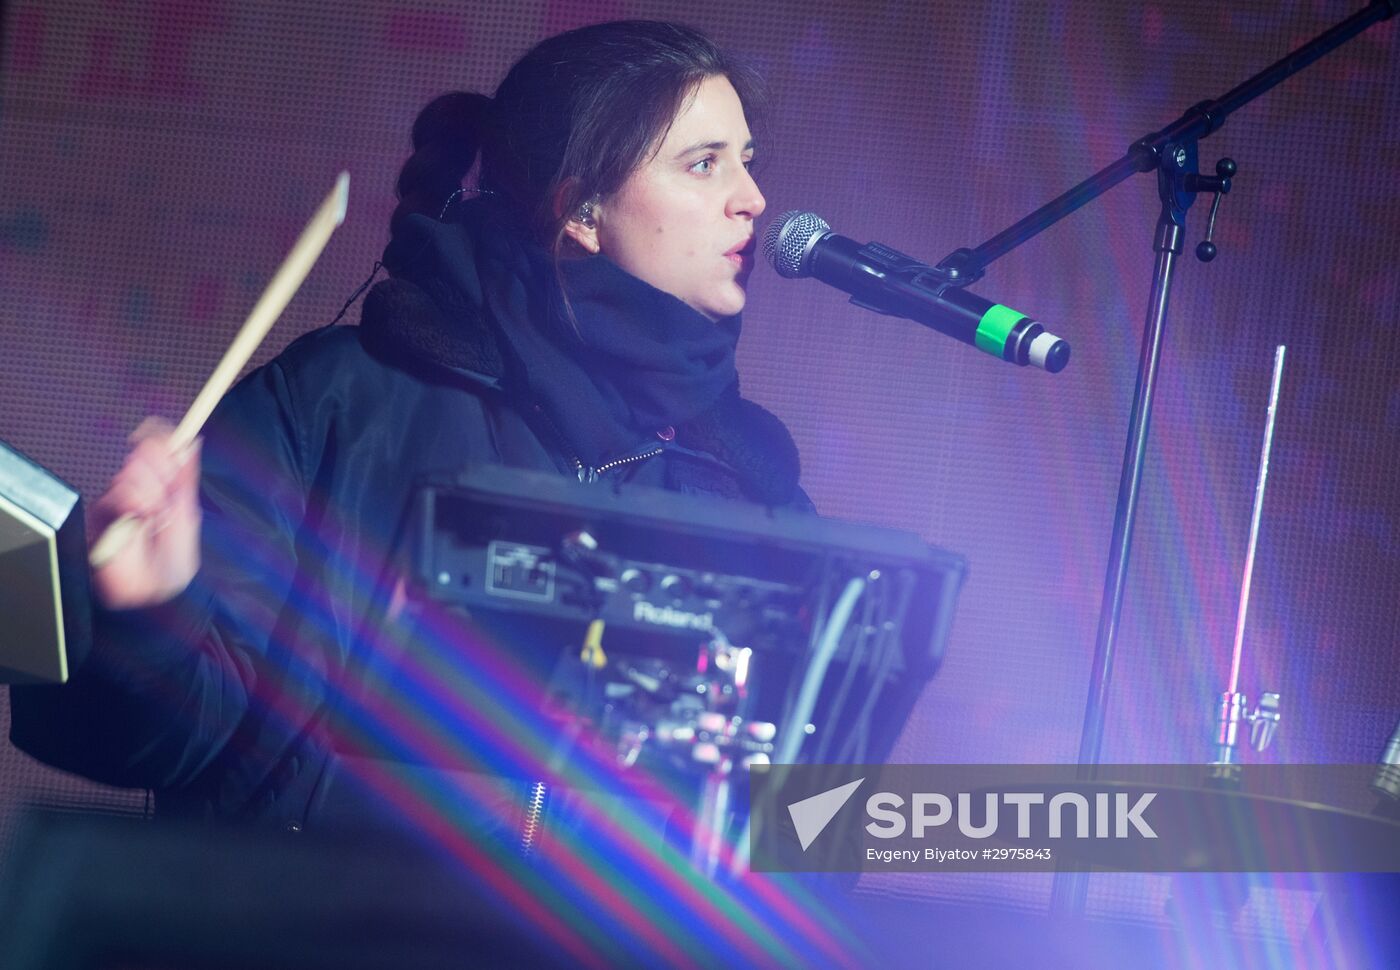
{"x": 575, "y": 311}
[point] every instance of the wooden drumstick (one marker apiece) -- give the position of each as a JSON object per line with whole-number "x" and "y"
{"x": 269, "y": 307}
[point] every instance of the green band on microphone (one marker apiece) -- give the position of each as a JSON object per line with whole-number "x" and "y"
{"x": 995, "y": 326}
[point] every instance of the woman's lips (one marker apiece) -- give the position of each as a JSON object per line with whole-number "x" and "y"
{"x": 742, "y": 254}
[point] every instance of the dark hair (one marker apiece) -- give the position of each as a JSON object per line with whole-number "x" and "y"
{"x": 571, "y": 121}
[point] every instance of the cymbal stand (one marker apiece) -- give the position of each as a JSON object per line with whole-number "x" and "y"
{"x": 1263, "y": 721}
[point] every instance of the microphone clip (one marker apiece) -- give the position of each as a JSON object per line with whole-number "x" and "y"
{"x": 960, "y": 268}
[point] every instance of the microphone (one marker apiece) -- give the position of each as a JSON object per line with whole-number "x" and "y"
{"x": 889, "y": 282}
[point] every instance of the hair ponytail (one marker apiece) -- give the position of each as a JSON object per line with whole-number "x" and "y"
{"x": 447, "y": 136}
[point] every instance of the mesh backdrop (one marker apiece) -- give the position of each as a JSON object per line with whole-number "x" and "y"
{"x": 158, "y": 157}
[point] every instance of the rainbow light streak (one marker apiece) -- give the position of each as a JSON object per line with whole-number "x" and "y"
{"x": 397, "y": 726}
{"x": 530, "y": 897}
{"x": 501, "y": 726}
{"x": 429, "y": 740}
{"x": 494, "y": 718}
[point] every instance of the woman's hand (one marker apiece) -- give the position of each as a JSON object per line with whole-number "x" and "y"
{"x": 161, "y": 491}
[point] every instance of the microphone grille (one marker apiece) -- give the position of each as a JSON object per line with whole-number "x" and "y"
{"x": 788, "y": 240}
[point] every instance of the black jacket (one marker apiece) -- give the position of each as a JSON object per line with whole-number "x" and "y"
{"x": 217, "y": 700}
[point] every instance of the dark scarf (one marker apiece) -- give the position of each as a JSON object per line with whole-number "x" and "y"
{"x": 612, "y": 365}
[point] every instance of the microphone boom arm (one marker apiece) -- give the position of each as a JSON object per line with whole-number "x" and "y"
{"x": 965, "y": 266}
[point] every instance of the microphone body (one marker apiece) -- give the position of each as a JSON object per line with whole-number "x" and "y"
{"x": 887, "y": 281}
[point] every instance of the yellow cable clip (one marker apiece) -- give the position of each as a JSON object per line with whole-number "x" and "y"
{"x": 592, "y": 653}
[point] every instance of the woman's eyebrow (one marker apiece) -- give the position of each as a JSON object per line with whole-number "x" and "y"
{"x": 714, "y": 146}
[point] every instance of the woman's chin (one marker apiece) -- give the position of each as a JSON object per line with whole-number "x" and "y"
{"x": 725, "y": 305}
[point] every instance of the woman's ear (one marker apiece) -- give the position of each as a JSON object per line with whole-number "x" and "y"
{"x": 582, "y": 227}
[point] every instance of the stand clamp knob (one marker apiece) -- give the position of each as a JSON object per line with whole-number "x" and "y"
{"x": 1218, "y": 185}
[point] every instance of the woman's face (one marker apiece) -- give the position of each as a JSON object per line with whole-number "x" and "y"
{"x": 684, "y": 221}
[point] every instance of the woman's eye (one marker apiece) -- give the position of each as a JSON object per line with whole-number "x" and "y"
{"x": 705, "y": 166}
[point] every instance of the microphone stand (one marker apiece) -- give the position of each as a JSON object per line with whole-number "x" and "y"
{"x": 1172, "y": 154}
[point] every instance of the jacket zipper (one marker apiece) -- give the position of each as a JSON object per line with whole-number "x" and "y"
{"x": 586, "y": 474}
{"x": 593, "y": 473}
{"x": 534, "y": 817}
